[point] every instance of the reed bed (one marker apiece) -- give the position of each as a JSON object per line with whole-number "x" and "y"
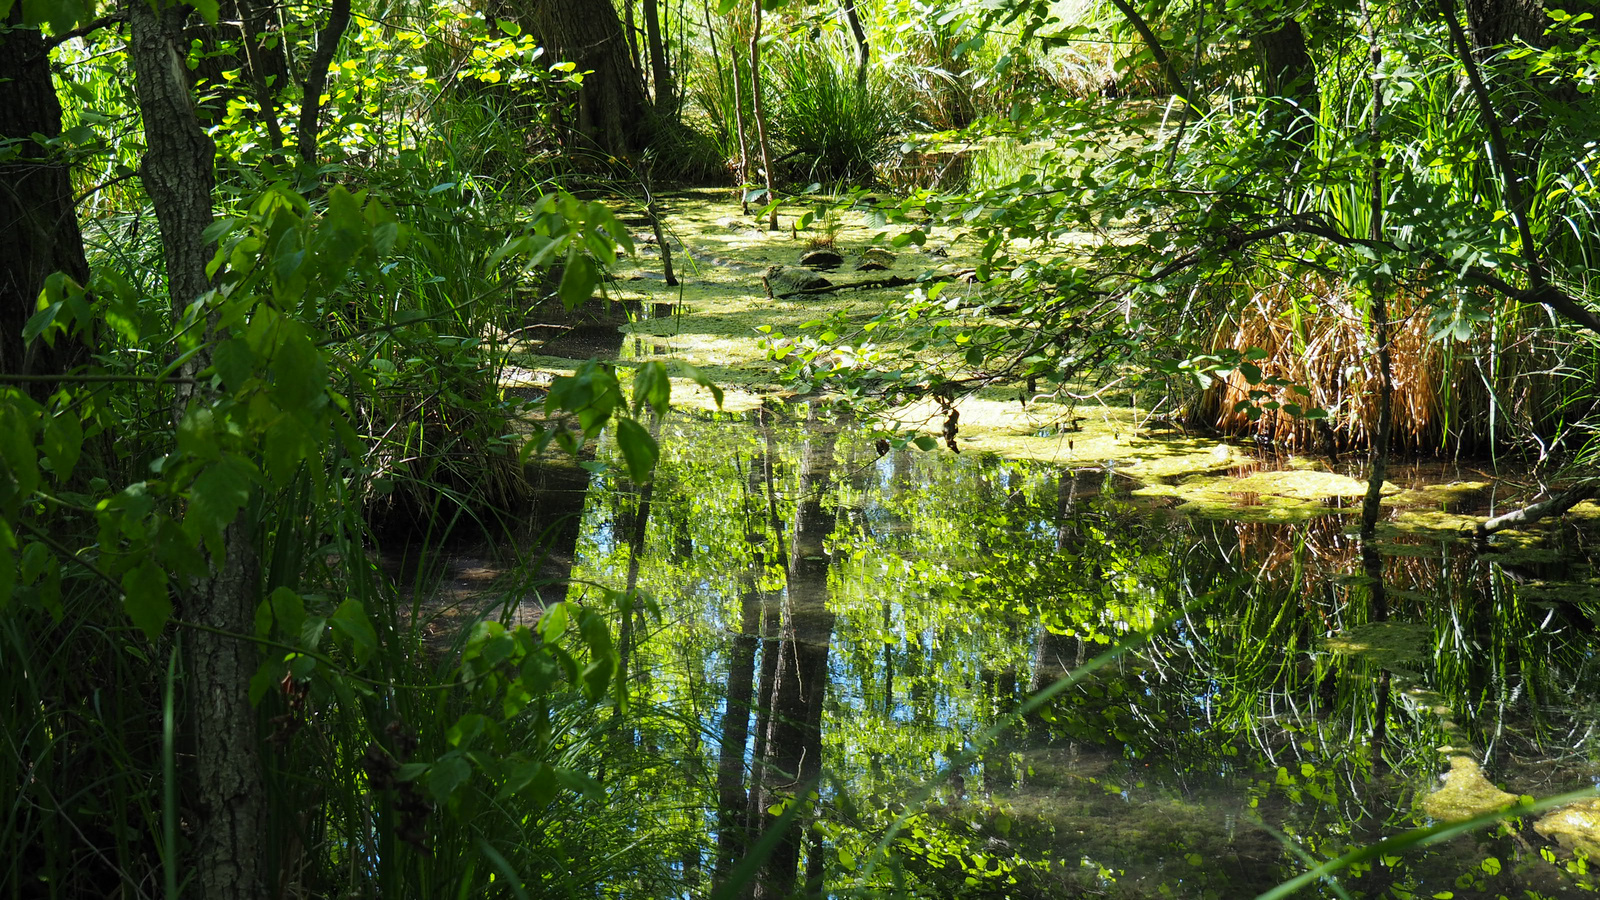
{"x": 1450, "y": 396}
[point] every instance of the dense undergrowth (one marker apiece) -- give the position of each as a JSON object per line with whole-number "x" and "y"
{"x": 335, "y": 396}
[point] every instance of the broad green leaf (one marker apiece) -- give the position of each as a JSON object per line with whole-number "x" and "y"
{"x": 466, "y": 729}
{"x": 62, "y": 443}
{"x": 145, "y": 599}
{"x": 215, "y": 499}
{"x": 450, "y": 772}
{"x": 268, "y": 675}
{"x": 299, "y": 373}
{"x": 17, "y": 423}
{"x": 578, "y": 279}
{"x": 534, "y": 781}
{"x": 234, "y": 363}
{"x": 8, "y": 563}
{"x": 288, "y": 609}
{"x": 350, "y": 620}
{"x": 651, "y": 387}
{"x": 702, "y": 379}
{"x": 639, "y": 450}
{"x": 553, "y": 622}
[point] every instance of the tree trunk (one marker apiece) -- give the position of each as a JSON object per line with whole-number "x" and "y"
{"x": 317, "y": 78}
{"x": 38, "y": 221}
{"x": 863, "y": 51}
{"x": 1496, "y": 22}
{"x": 611, "y": 111}
{"x": 1289, "y": 81}
{"x": 760, "y": 114}
{"x": 660, "y": 71}
{"x": 178, "y": 172}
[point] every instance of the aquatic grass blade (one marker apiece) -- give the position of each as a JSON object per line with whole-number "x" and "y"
{"x": 169, "y": 782}
{"x": 503, "y": 867}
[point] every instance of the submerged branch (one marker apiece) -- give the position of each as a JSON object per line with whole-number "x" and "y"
{"x": 1544, "y": 509}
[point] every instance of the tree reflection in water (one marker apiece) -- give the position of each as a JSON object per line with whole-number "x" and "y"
{"x": 837, "y": 619}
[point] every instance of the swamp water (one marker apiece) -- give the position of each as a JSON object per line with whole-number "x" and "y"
{"x": 871, "y": 625}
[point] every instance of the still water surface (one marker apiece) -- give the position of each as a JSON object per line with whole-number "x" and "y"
{"x": 870, "y": 626}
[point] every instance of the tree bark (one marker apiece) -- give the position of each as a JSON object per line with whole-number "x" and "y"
{"x": 38, "y": 220}
{"x": 1289, "y": 81}
{"x": 1493, "y": 23}
{"x": 178, "y": 172}
{"x": 760, "y": 114}
{"x": 863, "y": 50}
{"x": 317, "y": 78}
{"x": 666, "y": 94}
{"x": 611, "y": 112}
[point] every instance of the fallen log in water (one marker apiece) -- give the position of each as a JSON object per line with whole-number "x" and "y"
{"x": 1550, "y": 506}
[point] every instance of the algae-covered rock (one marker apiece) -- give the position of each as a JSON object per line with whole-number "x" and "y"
{"x": 786, "y": 281}
{"x": 822, "y": 259}
{"x": 1575, "y": 827}
{"x": 1466, "y": 793}
{"x": 875, "y": 259}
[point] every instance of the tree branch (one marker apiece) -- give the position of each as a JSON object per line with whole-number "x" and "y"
{"x": 1551, "y": 506}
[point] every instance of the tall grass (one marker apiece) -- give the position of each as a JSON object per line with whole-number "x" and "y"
{"x": 1474, "y": 371}
{"x": 833, "y": 128}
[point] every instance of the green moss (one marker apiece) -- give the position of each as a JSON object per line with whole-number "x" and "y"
{"x": 1466, "y": 793}
{"x": 1396, "y": 646}
{"x": 1575, "y": 827}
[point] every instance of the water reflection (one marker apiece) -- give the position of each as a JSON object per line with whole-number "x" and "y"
{"x": 844, "y": 624}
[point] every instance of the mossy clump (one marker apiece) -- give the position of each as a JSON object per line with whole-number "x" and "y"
{"x": 1576, "y": 827}
{"x": 1466, "y": 793}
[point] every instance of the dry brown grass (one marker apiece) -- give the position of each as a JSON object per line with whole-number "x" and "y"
{"x": 1317, "y": 338}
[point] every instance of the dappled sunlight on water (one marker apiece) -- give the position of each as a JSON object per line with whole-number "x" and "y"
{"x": 878, "y": 631}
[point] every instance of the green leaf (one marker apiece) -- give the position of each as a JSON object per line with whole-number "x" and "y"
{"x": 578, "y": 279}
{"x": 299, "y": 374}
{"x": 553, "y": 622}
{"x": 63, "y": 443}
{"x": 651, "y": 387}
{"x": 925, "y": 443}
{"x": 638, "y": 448}
{"x": 534, "y": 780}
{"x": 234, "y": 362}
{"x": 350, "y": 620}
{"x": 450, "y": 772}
{"x": 267, "y": 677}
{"x": 17, "y": 420}
{"x": 700, "y": 378}
{"x": 466, "y": 729}
{"x": 145, "y": 599}
{"x": 8, "y": 563}
{"x": 215, "y": 499}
